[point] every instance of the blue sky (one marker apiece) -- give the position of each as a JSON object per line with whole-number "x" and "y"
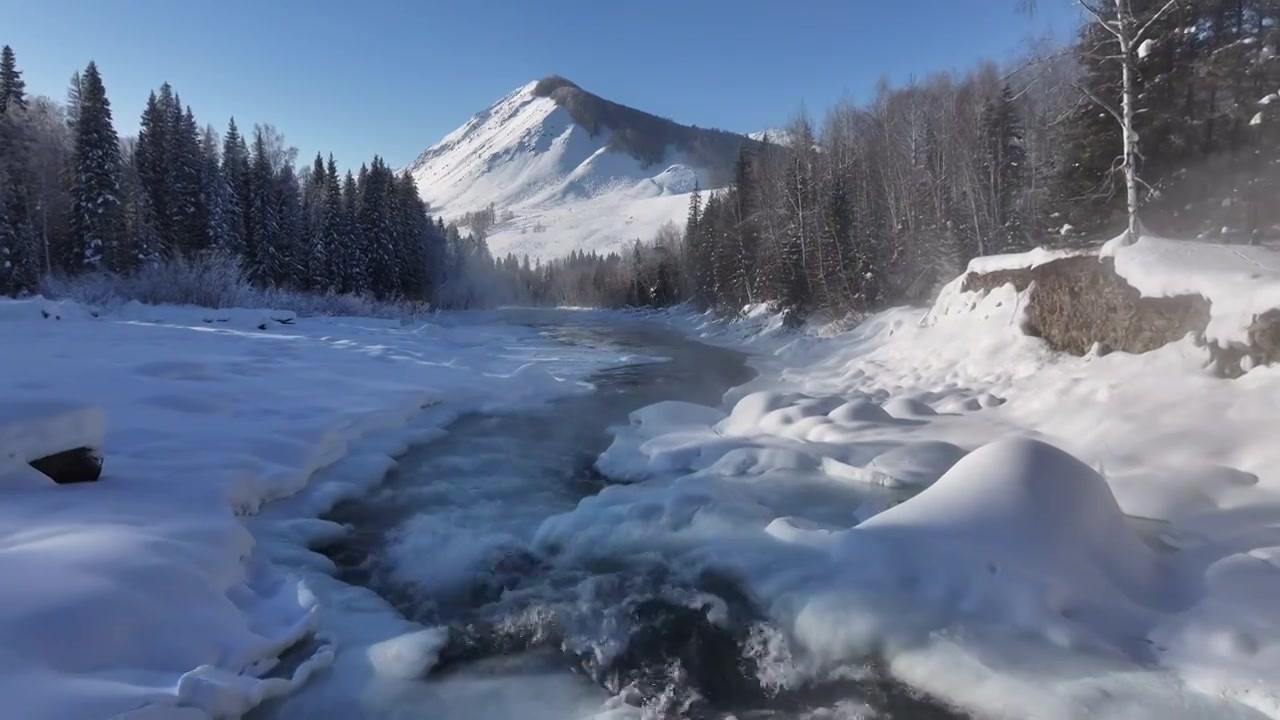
{"x": 358, "y": 77}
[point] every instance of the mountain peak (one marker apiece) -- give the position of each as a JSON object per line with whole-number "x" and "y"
{"x": 565, "y": 169}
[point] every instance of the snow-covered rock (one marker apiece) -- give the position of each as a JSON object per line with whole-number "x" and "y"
{"x": 1240, "y": 282}
{"x": 35, "y": 429}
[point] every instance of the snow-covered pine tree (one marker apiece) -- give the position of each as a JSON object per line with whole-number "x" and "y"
{"x": 13, "y": 89}
{"x": 374, "y": 219}
{"x": 264, "y": 260}
{"x": 19, "y": 246}
{"x": 98, "y": 229}
{"x": 413, "y": 234}
{"x": 141, "y": 223}
{"x": 316, "y": 261}
{"x": 352, "y": 260}
{"x": 291, "y": 260}
{"x": 20, "y": 252}
{"x": 327, "y": 273}
{"x": 214, "y": 191}
{"x": 189, "y": 214}
{"x": 235, "y": 174}
{"x": 153, "y": 157}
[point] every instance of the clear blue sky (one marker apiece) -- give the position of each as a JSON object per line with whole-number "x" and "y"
{"x": 358, "y": 77}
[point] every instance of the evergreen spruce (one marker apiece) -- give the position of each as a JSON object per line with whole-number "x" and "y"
{"x": 13, "y": 89}
{"x": 353, "y": 261}
{"x": 374, "y": 220}
{"x": 265, "y": 260}
{"x": 189, "y": 212}
{"x": 98, "y": 228}
{"x": 235, "y": 174}
{"x": 291, "y": 257}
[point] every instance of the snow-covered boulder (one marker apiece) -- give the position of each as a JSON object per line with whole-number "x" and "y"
{"x": 1136, "y": 297}
{"x": 58, "y": 439}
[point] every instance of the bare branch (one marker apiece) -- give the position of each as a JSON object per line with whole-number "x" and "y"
{"x": 1097, "y": 14}
{"x": 1169, "y": 5}
{"x": 1100, "y": 102}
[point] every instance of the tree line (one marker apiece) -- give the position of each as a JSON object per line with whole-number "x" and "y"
{"x": 880, "y": 202}
{"x": 76, "y": 198}
{"x": 1162, "y": 110}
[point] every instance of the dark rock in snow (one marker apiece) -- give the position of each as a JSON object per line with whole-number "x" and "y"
{"x": 71, "y": 466}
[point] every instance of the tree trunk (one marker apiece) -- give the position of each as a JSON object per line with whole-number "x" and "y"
{"x": 1125, "y": 17}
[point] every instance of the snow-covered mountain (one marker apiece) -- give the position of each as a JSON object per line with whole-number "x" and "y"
{"x": 567, "y": 170}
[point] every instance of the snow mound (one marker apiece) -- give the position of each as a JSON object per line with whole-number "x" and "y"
{"x": 1017, "y": 535}
{"x": 1240, "y": 282}
{"x": 860, "y": 411}
{"x": 908, "y": 408}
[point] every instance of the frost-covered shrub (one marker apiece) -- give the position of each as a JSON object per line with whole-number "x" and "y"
{"x": 212, "y": 280}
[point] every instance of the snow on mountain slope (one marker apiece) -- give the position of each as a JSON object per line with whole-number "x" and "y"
{"x": 555, "y": 185}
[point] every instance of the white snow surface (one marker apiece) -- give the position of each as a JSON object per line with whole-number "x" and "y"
{"x": 1239, "y": 281}
{"x": 567, "y": 190}
{"x": 159, "y": 591}
{"x": 1096, "y": 537}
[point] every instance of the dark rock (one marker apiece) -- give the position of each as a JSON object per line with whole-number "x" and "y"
{"x": 71, "y": 466}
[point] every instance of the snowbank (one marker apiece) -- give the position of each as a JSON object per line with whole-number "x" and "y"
{"x": 158, "y": 591}
{"x": 1096, "y": 535}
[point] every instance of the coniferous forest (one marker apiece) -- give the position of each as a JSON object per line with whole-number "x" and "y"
{"x": 875, "y": 202}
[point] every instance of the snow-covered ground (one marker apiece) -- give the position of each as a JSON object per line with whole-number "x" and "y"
{"x": 156, "y": 592}
{"x": 1096, "y": 536}
{"x": 565, "y": 190}
{"x": 1092, "y": 536}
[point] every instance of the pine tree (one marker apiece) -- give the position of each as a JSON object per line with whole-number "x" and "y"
{"x": 98, "y": 229}
{"x": 13, "y": 89}
{"x": 374, "y": 220}
{"x": 352, "y": 259}
{"x": 695, "y": 211}
{"x": 315, "y": 263}
{"x": 326, "y": 273}
{"x": 214, "y": 193}
{"x": 19, "y": 248}
{"x": 73, "y": 101}
{"x": 414, "y": 234}
{"x": 189, "y": 214}
{"x": 235, "y": 173}
{"x": 152, "y": 157}
{"x": 141, "y": 223}
{"x": 265, "y": 262}
{"x": 292, "y": 257}
{"x": 19, "y": 251}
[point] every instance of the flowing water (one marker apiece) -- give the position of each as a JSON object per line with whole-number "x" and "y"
{"x": 447, "y": 541}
